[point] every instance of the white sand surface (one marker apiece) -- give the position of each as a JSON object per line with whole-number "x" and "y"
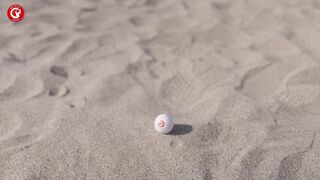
{"x": 81, "y": 82}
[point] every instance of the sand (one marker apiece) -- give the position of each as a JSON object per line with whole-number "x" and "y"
{"x": 81, "y": 82}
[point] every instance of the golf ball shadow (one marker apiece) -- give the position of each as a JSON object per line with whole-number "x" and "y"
{"x": 181, "y": 129}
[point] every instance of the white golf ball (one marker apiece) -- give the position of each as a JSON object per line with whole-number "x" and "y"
{"x": 163, "y": 123}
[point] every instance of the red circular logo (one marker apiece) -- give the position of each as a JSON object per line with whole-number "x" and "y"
{"x": 15, "y": 13}
{"x": 161, "y": 123}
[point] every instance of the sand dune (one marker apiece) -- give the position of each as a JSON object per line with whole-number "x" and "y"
{"x": 82, "y": 81}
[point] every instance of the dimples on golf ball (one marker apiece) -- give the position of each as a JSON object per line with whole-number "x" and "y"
{"x": 163, "y": 123}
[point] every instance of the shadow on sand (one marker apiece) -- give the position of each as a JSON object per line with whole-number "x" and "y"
{"x": 181, "y": 129}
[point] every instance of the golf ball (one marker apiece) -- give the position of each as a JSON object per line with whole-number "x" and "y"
{"x": 163, "y": 123}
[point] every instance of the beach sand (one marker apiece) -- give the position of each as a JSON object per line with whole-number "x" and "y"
{"x": 81, "y": 82}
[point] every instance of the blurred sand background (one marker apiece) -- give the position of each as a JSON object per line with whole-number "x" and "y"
{"x": 81, "y": 82}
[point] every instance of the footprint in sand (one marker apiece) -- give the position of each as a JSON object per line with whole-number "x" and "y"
{"x": 59, "y": 71}
{"x": 54, "y": 78}
{"x": 59, "y": 91}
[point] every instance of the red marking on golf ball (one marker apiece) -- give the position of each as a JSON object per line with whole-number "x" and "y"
{"x": 161, "y": 123}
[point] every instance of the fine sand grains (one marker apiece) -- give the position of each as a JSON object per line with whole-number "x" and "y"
{"x": 81, "y": 82}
